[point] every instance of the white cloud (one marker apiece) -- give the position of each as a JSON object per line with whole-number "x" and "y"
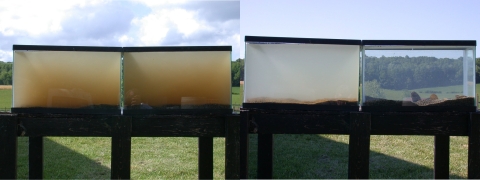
{"x": 36, "y": 18}
{"x": 5, "y": 55}
{"x": 156, "y": 3}
{"x": 118, "y": 23}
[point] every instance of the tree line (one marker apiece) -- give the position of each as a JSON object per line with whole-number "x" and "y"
{"x": 394, "y": 72}
{"x": 5, "y": 73}
{"x": 399, "y": 72}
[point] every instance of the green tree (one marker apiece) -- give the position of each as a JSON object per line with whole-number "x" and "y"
{"x": 237, "y": 71}
{"x": 5, "y": 73}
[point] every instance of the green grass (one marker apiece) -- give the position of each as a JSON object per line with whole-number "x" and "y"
{"x": 5, "y": 99}
{"x": 295, "y": 156}
{"x": 236, "y": 99}
{"x": 326, "y": 156}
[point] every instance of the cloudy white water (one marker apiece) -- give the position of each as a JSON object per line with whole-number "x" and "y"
{"x": 118, "y": 23}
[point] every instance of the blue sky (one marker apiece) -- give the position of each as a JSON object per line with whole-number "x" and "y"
{"x": 363, "y": 19}
{"x": 201, "y": 22}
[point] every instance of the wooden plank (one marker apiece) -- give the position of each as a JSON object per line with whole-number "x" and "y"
{"x": 121, "y": 147}
{"x": 301, "y": 122}
{"x": 359, "y": 146}
{"x": 232, "y": 147}
{"x": 178, "y": 126}
{"x": 474, "y": 147}
{"x": 8, "y": 147}
{"x": 442, "y": 157}
{"x": 265, "y": 156}
{"x": 88, "y": 125}
{"x": 205, "y": 158}
{"x": 35, "y": 157}
{"x": 425, "y": 123}
{"x": 244, "y": 142}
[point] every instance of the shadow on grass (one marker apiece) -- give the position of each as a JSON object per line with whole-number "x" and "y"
{"x": 60, "y": 162}
{"x": 314, "y": 156}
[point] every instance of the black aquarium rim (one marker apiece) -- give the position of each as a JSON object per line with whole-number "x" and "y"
{"x": 266, "y": 39}
{"x": 66, "y": 48}
{"x": 288, "y": 106}
{"x": 176, "y": 48}
{"x": 421, "y": 42}
{"x": 419, "y": 108}
{"x": 66, "y": 111}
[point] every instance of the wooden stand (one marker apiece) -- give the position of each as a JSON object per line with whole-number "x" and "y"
{"x": 360, "y": 126}
{"x": 121, "y": 129}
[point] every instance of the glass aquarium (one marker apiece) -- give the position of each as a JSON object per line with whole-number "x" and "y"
{"x": 301, "y": 73}
{"x": 66, "y": 79}
{"x": 177, "y": 79}
{"x": 404, "y": 75}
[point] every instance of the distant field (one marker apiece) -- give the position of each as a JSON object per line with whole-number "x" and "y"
{"x": 5, "y": 86}
{"x": 236, "y": 99}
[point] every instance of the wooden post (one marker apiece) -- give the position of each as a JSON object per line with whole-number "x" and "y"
{"x": 232, "y": 147}
{"x": 35, "y": 157}
{"x": 359, "y": 146}
{"x": 8, "y": 147}
{"x": 442, "y": 157}
{"x": 244, "y": 141}
{"x": 121, "y": 147}
{"x": 474, "y": 147}
{"x": 205, "y": 158}
{"x": 265, "y": 156}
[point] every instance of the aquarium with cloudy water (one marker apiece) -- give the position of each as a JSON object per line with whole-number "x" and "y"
{"x": 66, "y": 79}
{"x": 177, "y": 79}
{"x": 417, "y": 75}
{"x": 301, "y": 73}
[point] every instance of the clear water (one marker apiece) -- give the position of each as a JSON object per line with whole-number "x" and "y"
{"x": 301, "y": 73}
{"x": 410, "y": 75}
{"x": 66, "y": 79}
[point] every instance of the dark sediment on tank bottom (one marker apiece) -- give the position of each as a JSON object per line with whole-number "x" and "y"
{"x": 385, "y": 102}
{"x": 204, "y": 106}
{"x": 370, "y": 101}
{"x": 101, "y": 106}
{"x": 468, "y": 101}
{"x": 337, "y": 103}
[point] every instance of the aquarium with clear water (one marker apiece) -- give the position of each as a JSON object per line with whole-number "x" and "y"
{"x": 177, "y": 79}
{"x": 403, "y": 75}
{"x": 301, "y": 73}
{"x": 66, "y": 79}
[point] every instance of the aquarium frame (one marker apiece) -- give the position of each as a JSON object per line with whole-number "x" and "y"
{"x": 47, "y": 110}
{"x": 465, "y": 45}
{"x": 266, "y": 40}
{"x": 292, "y": 106}
{"x": 127, "y": 111}
{"x": 420, "y": 42}
{"x": 176, "y": 48}
{"x": 66, "y": 48}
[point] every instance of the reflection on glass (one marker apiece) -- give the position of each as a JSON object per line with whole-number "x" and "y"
{"x": 66, "y": 79}
{"x": 177, "y": 80}
{"x": 418, "y": 76}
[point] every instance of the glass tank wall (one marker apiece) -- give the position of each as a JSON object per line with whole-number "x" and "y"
{"x": 301, "y": 73}
{"x": 50, "y": 77}
{"x": 169, "y": 78}
{"x": 418, "y": 75}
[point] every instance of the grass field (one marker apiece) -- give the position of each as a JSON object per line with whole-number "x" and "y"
{"x": 5, "y": 99}
{"x": 295, "y": 156}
